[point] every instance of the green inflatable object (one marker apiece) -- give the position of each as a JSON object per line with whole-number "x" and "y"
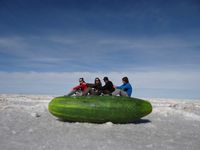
{"x": 99, "y": 109}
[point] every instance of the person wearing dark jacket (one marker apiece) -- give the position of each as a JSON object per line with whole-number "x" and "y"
{"x": 108, "y": 88}
{"x": 93, "y": 89}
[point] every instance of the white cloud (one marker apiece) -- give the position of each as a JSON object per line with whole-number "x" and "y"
{"x": 15, "y": 46}
{"x": 62, "y": 40}
{"x": 97, "y": 45}
{"x": 12, "y": 42}
{"x": 165, "y": 43}
{"x": 93, "y": 52}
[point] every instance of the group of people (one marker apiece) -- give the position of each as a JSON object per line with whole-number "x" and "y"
{"x": 96, "y": 88}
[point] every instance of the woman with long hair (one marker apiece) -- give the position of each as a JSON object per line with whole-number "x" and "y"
{"x": 93, "y": 88}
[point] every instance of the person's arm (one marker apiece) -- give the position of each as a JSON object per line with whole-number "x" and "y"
{"x": 77, "y": 87}
{"x": 120, "y": 87}
{"x": 103, "y": 87}
{"x": 81, "y": 86}
{"x": 124, "y": 87}
{"x": 90, "y": 85}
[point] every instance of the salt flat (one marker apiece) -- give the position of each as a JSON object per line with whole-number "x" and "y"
{"x": 26, "y": 124}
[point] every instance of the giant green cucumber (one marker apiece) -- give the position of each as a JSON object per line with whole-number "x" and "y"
{"x": 99, "y": 109}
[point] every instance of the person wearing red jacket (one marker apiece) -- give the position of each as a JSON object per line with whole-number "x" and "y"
{"x": 79, "y": 89}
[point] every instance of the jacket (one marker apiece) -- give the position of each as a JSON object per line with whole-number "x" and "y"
{"x": 82, "y": 87}
{"x": 97, "y": 87}
{"x": 108, "y": 87}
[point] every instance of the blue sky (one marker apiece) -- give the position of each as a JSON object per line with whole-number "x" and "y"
{"x": 157, "y": 38}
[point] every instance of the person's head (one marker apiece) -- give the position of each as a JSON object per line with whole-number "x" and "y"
{"x": 105, "y": 79}
{"x": 81, "y": 80}
{"x": 97, "y": 81}
{"x": 125, "y": 80}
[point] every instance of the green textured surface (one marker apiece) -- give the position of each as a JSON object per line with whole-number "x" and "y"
{"x": 99, "y": 109}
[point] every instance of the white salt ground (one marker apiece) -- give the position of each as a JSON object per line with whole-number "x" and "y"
{"x": 25, "y": 124}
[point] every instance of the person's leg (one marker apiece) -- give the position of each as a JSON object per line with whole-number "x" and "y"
{"x": 92, "y": 93}
{"x": 97, "y": 93}
{"x": 79, "y": 93}
{"x": 88, "y": 90}
{"x": 71, "y": 93}
{"x": 123, "y": 93}
{"x": 107, "y": 93}
{"x": 119, "y": 92}
{"x": 116, "y": 92}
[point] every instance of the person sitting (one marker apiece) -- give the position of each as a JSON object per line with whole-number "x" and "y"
{"x": 108, "y": 88}
{"x": 93, "y": 89}
{"x": 80, "y": 89}
{"x": 125, "y": 89}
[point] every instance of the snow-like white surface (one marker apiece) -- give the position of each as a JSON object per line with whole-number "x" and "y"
{"x": 25, "y": 123}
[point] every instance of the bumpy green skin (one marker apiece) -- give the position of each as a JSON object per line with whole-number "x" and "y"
{"x": 99, "y": 109}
